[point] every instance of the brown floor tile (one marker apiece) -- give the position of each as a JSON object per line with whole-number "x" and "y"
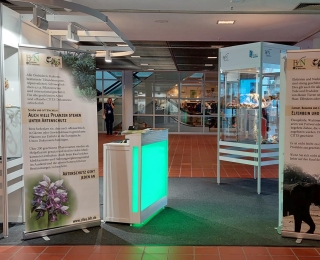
{"x": 259, "y": 257}
{"x": 57, "y": 250}
{"x": 206, "y": 250}
{"x": 106, "y": 250}
{"x": 103, "y": 257}
{"x": 305, "y": 252}
{"x": 5, "y": 256}
{"x": 129, "y": 257}
{"x": 232, "y": 257}
{"x": 255, "y": 251}
{"x": 24, "y": 256}
{"x": 154, "y": 256}
{"x": 180, "y": 257}
{"x": 284, "y": 257}
{"x": 230, "y": 250}
{"x": 131, "y": 250}
{"x": 274, "y": 251}
{"x": 309, "y": 257}
{"x": 181, "y": 250}
{"x": 84, "y": 256}
{"x": 51, "y": 256}
{"x": 9, "y": 249}
{"x": 207, "y": 257}
{"x": 31, "y": 249}
{"x": 81, "y": 250}
{"x": 156, "y": 250}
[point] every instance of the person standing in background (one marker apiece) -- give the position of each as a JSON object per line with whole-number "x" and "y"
{"x": 109, "y": 116}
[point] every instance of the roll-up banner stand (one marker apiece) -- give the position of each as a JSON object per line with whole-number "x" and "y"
{"x": 301, "y": 157}
{"x": 60, "y": 141}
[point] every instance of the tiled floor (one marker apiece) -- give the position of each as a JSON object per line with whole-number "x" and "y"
{"x": 189, "y": 156}
{"x": 196, "y": 156}
{"x": 156, "y": 253}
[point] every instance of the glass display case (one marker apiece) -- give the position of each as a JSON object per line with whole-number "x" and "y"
{"x": 249, "y": 105}
{"x": 243, "y": 106}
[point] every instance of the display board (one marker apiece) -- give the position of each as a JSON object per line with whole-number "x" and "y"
{"x": 60, "y": 140}
{"x": 301, "y": 172}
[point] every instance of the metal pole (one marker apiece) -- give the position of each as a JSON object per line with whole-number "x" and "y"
{"x": 3, "y": 135}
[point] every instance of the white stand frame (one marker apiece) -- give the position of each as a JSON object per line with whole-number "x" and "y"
{"x": 236, "y": 58}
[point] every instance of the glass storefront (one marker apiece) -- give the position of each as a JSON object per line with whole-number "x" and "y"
{"x": 181, "y": 101}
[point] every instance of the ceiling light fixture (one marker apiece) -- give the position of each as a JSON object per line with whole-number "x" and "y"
{"x": 212, "y": 57}
{"x": 208, "y": 65}
{"x": 108, "y": 58}
{"x": 122, "y": 45}
{"x": 135, "y": 57}
{"x": 72, "y": 33}
{"x": 226, "y": 21}
{"x": 144, "y": 64}
{"x": 150, "y": 69}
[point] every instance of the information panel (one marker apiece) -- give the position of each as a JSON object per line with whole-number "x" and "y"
{"x": 60, "y": 138}
{"x": 301, "y": 189}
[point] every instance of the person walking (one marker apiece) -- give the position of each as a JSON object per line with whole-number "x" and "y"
{"x": 109, "y": 116}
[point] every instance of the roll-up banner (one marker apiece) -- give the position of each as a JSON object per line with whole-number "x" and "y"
{"x": 60, "y": 141}
{"x": 301, "y": 172}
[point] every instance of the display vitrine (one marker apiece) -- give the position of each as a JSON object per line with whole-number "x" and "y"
{"x": 249, "y": 102}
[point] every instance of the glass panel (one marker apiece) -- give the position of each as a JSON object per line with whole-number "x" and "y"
{"x": 98, "y": 74}
{"x": 138, "y": 77}
{"x": 166, "y": 89}
{"x": 191, "y": 90}
{"x": 99, "y": 87}
{"x": 101, "y": 123}
{"x": 211, "y": 76}
{"x": 143, "y": 122}
{"x": 192, "y": 107}
{"x": 211, "y": 90}
{"x": 109, "y": 75}
{"x": 191, "y": 124}
{"x": 143, "y": 89}
{"x": 143, "y": 106}
{"x": 211, "y": 123}
{"x": 168, "y": 122}
{"x": 117, "y": 124}
{"x": 191, "y": 77}
{"x": 164, "y": 76}
{"x": 167, "y": 106}
{"x": 117, "y": 105}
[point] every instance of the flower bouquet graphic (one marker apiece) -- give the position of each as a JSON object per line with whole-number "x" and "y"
{"x": 50, "y": 202}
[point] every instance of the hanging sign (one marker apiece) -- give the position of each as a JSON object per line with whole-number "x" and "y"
{"x": 60, "y": 139}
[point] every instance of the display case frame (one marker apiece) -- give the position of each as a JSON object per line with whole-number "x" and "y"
{"x": 260, "y": 59}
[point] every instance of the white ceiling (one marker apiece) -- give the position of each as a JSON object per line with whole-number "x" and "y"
{"x": 196, "y": 20}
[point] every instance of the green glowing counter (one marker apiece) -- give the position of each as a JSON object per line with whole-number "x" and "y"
{"x": 135, "y": 176}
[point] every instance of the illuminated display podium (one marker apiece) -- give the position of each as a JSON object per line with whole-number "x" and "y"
{"x": 135, "y": 176}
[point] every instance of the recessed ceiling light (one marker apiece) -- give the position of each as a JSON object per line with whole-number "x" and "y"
{"x": 144, "y": 64}
{"x": 208, "y": 65}
{"x": 150, "y": 69}
{"x": 226, "y": 21}
{"x": 135, "y": 57}
{"x": 212, "y": 57}
{"x": 161, "y": 21}
{"x": 122, "y": 45}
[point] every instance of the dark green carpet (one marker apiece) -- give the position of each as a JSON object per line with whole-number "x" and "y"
{"x": 199, "y": 212}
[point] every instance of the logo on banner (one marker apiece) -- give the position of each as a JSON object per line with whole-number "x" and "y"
{"x": 252, "y": 54}
{"x": 316, "y": 63}
{"x": 267, "y": 53}
{"x": 226, "y": 57}
{"x": 54, "y": 61}
{"x": 299, "y": 64}
{"x": 33, "y": 59}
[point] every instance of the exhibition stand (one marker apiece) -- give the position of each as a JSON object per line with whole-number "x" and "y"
{"x": 248, "y": 118}
{"x": 135, "y": 176}
{"x": 49, "y": 138}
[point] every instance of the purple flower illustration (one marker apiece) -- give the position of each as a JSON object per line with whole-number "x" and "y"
{"x": 49, "y": 197}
